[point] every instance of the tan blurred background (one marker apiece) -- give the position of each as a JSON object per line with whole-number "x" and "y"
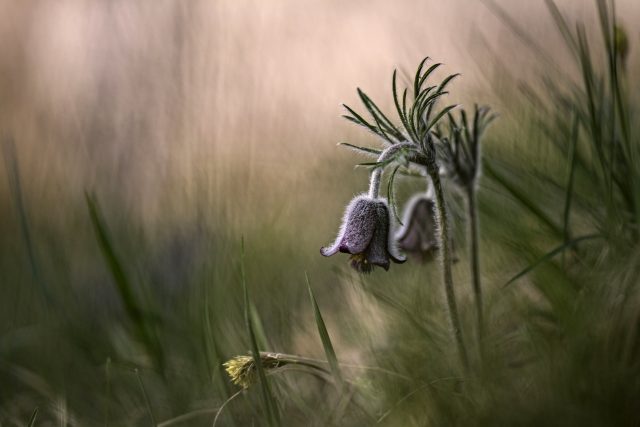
{"x": 205, "y": 98}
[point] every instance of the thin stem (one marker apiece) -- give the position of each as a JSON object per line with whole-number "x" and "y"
{"x": 475, "y": 260}
{"x": 374, "y": 182}
{"x": 446, "y": 258}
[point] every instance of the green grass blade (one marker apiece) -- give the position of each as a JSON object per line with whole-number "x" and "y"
{"x": 572, "y": 166}
{"x": 429, "y": 331}
{"x": 147, "y": 402}
{"x": 563, "y": 27}
{"x": 324, "y": 337}
{"x": 123, "y": 284}
{"x": 34, "y": 416}
{"x": 212, "y": 349}
{"x": 521, "y": 196}
{"x": 13, "y": 175}
{"x": 258, "y": 328}
{"x": 549, "y": 255}
{"x": 516, "y": 28}
{"x": 267, "y": 396}
{"x": 107, "y": 394}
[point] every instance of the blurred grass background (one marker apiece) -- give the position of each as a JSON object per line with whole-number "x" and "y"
{"x": 191, "y": 125}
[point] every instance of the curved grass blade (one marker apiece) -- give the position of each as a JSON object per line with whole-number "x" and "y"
{"x": 326, "y": 340}
{"x": 555, "y": 251}
{"x": 124, "y": 286}
{"x": 180, "y": 419}
{"x": 572, "y": 166}
{"x": 147, "y": 402}
{"x": 562, "y": 25}
{"x": 34, "y": 416}
{"x": 429, "y": 331}
{"x": 521, "y": 196}
{"x": 267, "y": 396}
{"x": 229, "y": 400}
{"x": 13, "y": 175}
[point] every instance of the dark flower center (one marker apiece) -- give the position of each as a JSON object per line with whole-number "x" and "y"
{"x": 361, "y": 263}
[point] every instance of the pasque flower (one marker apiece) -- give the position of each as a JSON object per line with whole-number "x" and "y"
{"x": 365, "y": 234}
{"x": 365, "y": 231}
{"x": 418, "y": 237}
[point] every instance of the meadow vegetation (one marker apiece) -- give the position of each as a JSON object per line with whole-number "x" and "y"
{"x": 217, "y": 307}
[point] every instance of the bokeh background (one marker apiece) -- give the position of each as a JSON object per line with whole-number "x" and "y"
{"x": 194, "y": 125}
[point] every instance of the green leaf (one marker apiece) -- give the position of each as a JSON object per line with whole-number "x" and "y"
{"x": 440, "y": 89}
{"x": 416, "y": 80}
{"x": 367, "y": 150}
{"x": 324, "y": 337}
{"x": 380, "y": 118}
{"x": 439, "y": 115}
{"x": 446, "y": 81}
{"x": 396, "y": 101}
{"x": 376, "y": 165}
{"x": 427, "y": 73}
{"x": 359, "y": 120}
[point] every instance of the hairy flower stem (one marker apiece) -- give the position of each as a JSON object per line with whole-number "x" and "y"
{"x": 374, "y": 183}
{"x": 447, "y": 259}
{"x": 475, "y": 261}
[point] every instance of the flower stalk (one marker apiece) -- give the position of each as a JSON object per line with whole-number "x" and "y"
{"x": 447, "y": 261}
{"x": 420, "y": 137}
{"x": 462, "y": 156}
{"x": 376, "y": 174}
{"x": 475, "y": 260}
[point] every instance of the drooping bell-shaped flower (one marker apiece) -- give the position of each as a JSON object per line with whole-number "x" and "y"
{"x": 418, "y": 236}
{"x": 365, "y": 234}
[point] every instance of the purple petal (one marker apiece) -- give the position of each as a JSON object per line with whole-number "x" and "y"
{"x": 335, "y": 246}
{"x": 419, "y": 232}
{"x": 377, "y": 253}
{"x": 360, "y": 223}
